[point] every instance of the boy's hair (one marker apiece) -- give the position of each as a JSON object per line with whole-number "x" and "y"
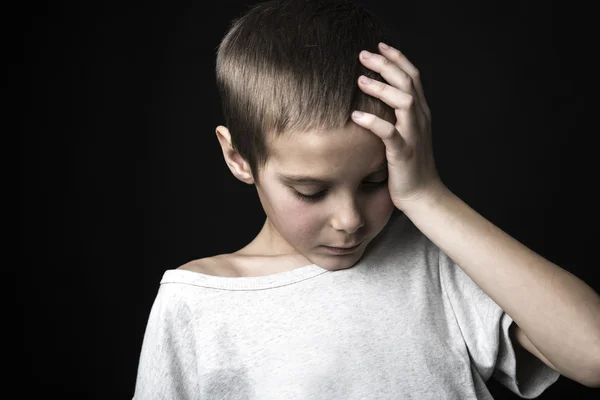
{"x": 292, "y": 66}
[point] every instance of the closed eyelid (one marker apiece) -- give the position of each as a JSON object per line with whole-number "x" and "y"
{"x": 307, "y": 180}
{"x": 320, "y": 190}
{"x": 322, "y": 185}
{"x": 318, "y": 196}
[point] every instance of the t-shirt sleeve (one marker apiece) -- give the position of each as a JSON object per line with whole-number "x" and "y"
{"x": 485, "y": 329}
{"x": 167, "y": 367}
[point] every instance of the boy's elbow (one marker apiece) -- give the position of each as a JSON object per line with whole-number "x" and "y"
{"x": 593, "y": 383}
{"x": 587, "y": 373}
{"x": 596, "y": 378}
{"x": 596, "y": 381}
{"x": 593, "y": 379}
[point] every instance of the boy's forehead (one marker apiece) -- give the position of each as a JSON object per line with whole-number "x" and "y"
{"x": 318, "y": 158}
{"x": 324, "y": 144}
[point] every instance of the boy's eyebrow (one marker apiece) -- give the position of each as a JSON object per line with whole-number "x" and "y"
{"x": 312, "y": 180}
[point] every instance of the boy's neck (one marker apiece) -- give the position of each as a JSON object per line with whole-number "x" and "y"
{"x": 268, "y": 243}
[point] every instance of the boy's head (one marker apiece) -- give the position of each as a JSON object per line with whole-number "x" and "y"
{"x": 287, "y": 75}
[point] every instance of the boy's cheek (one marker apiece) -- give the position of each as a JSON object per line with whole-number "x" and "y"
{"x": 384, "y": 202}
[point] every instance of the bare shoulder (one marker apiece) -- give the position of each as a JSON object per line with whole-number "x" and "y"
{"x": 236, "y": 265}
{"x": 215, "y": 265}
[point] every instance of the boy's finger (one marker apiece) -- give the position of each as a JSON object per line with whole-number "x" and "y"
{"x": 391, "y": 72}
{"x": 400, "y": 59}
{"x": 390, "y": 95}
{"x": 393, "y": 139}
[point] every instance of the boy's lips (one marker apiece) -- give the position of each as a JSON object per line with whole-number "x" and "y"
{"x": 342, "y": 251}
{"x": 346, "y": 246}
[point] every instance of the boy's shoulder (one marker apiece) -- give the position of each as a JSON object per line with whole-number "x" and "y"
{"x": 218, "y": 265}
{"x": 243, "y": 265}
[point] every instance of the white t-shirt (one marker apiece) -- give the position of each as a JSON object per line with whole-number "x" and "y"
{"x": 405, "y": 322}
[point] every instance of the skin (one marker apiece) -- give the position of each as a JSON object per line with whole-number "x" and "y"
{"x": 354, "y": 208}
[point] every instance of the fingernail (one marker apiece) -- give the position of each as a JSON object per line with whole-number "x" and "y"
{"x": 365, "y": 55}
{"x": 364, "y": 80}
{"x": 384, "y": 46}
{"x": 357, "y": 114}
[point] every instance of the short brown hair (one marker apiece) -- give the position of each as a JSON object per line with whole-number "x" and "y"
{"x": 292, "y": 66}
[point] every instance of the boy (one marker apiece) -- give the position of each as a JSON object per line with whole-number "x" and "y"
{"x": 370, "y": 279}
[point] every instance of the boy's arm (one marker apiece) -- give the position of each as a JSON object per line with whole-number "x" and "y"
{"x": 556, "y": 310}
{"x": 167, "y": 366}
{"x": 557, "y": 314}
{"x": 519, "y": 337}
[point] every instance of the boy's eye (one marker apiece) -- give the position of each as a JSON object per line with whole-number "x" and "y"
{"x": 312, "y": 197}
{"x": 317, "y": 196}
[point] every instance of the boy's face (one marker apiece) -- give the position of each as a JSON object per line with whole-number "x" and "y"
{"x": 353, "y": 206}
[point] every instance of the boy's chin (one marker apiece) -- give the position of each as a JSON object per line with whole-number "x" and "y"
{"x": 339, "y": 266}
{"x": 335, "y": 262}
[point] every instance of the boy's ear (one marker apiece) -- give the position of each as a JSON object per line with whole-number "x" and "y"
{"x": 238, "y": 166}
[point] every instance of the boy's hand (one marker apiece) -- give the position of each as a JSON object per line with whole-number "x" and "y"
{"x": 412, "y": 173}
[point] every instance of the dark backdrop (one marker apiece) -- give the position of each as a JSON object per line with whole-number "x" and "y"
{"x": 123, "y": 177}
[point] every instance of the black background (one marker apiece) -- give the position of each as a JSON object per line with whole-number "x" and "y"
{"x": 123, "y": 178}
